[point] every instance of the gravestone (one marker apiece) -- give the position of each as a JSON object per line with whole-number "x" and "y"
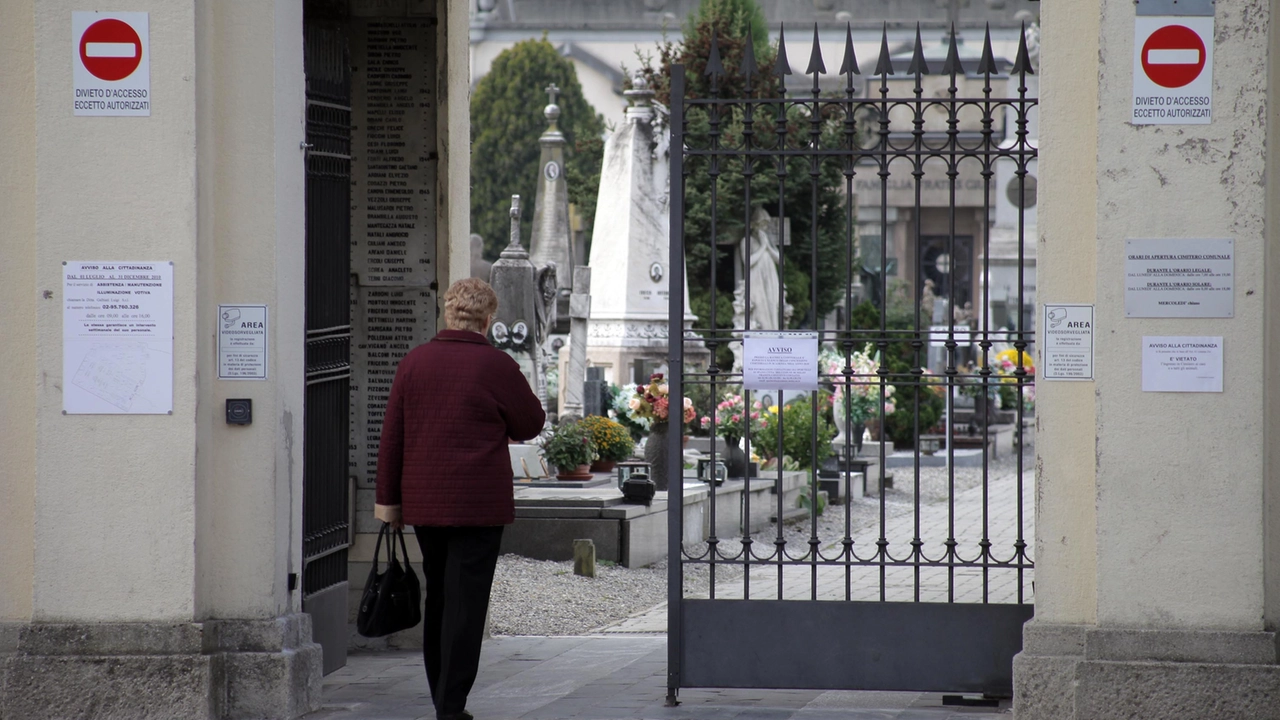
{"x": 552, "y": 238}
{"x": 631, "y": 248}
{"x": 525, "y": 306}
{"x": 595, "y": 393}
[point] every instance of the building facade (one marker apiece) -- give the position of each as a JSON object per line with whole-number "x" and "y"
{"x": 1157, "y": 582}
{"x": 297, "y": 169}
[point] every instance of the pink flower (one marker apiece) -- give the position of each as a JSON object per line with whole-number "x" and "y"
{"x": 660, "y": 407}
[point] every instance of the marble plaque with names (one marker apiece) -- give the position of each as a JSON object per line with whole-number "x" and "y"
{"x": 393, "y": 220}
{"x": 393, "y": 147}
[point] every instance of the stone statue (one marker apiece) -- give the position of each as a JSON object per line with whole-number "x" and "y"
{"x": 546, "y": 307}
{"x": 761, "y": 257}
{"x": 480, "y": 268}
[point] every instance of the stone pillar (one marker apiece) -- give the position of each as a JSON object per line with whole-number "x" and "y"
{"x": 1156, "y": 565}
{"x": 579, "y": 312}
{"x": 138, "y": 577}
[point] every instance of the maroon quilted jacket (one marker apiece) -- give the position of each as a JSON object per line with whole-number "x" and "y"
{"x": 444, "y": 458}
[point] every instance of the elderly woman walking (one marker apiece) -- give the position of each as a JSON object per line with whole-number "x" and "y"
{"x": 444, "y": 468}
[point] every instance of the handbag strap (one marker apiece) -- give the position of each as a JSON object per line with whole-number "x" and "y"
{"x": 400, "y": 534}
{"x": 377, "y": 548}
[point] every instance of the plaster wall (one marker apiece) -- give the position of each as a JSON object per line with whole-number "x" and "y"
{"x": 1179, "y": 476}
{"x": 1066, "y": 516}
{"x": 251, "y": 251}
{"x": 115, "y": 494}
{"x": 18, "y": 295}
{"x": 1271, "y": 337}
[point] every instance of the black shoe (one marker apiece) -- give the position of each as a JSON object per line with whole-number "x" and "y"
{"x": 461, "y": 715}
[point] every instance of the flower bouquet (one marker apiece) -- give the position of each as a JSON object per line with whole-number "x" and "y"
{"x": 861, "y": 398}
{"x": 652, "y": 402}
{"x": 732, "y": 417}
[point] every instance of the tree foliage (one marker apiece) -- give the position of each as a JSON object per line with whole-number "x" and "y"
{"x": 811, "y": 196}
{"x": 506, "y": 121}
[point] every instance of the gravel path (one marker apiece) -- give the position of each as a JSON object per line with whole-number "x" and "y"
{"x": 539, "y": 597}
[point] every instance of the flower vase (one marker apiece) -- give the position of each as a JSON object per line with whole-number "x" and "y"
{"x": 656, "y": 452}
{"x": 873, "y": 429}
{"x": 603, "y": 466}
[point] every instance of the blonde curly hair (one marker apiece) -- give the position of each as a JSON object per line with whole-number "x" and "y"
{"x": 469, "y": 304}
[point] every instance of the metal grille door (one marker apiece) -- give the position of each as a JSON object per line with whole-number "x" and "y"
{"x": 326, "y": 488}
{"x": 925, "y": 585}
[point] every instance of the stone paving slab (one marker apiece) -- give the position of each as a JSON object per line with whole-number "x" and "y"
{"x": 600, "y": 678}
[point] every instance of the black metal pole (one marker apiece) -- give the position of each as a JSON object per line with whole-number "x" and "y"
{"x": 675, "y": 369}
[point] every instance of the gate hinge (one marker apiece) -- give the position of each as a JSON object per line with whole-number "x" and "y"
{"x": 293, "y": 581}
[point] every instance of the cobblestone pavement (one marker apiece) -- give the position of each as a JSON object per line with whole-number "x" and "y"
{"x": 802, "y": 582}
{"x": 599, "y": 678}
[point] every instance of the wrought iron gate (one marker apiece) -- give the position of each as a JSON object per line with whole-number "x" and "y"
{"x": 899, "y": 592}
{"x": 326, "y": 492}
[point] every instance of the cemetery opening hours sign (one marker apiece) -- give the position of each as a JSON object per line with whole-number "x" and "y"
{"x": 117, "y": 338}
{"x": 1182, "y": 364}
{"x": 1067, "y": 353}
{"x": 242, "y": 342}
{"x": 111, "y": 63}
{"x": 780, "y": 360}
{"x": 1179, "y": 277}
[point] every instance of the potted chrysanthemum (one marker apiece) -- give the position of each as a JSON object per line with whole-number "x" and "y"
{"x": 570, "y": 449}
{"x": 613, "y": 443}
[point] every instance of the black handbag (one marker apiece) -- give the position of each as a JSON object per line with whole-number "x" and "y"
{"x": 392, "y": 600}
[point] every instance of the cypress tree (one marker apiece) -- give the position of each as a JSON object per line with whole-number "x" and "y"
{"x": 506, "y": 121}
{"x": 731, "y": 22}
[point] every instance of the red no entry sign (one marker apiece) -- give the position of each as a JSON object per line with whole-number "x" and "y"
{"x": 1173, "y": 56}
{"x": 110, "y": 49}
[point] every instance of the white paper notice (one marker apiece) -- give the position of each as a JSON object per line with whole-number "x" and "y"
{"x": 117, "y": 338}
{"x": 1179, "y": 277}
{"x": 1182, "y": 364}
{"x": 242, "y": 342}
{"x": 1068, "y": 343}
{"x": 780, "y": 360}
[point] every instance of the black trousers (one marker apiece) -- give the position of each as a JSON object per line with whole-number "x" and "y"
{"x": 458, "y": 563}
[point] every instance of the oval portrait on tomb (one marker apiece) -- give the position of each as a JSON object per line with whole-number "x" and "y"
{"x": 552, "y": 170}
{"x": 499, "y": 332}
{"x": 519, "y": 332}
{"x": 656, "y": 272}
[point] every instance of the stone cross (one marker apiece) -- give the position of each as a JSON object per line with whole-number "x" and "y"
{"x": 552, "y": 93}
{"x": 579, "y": 311}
